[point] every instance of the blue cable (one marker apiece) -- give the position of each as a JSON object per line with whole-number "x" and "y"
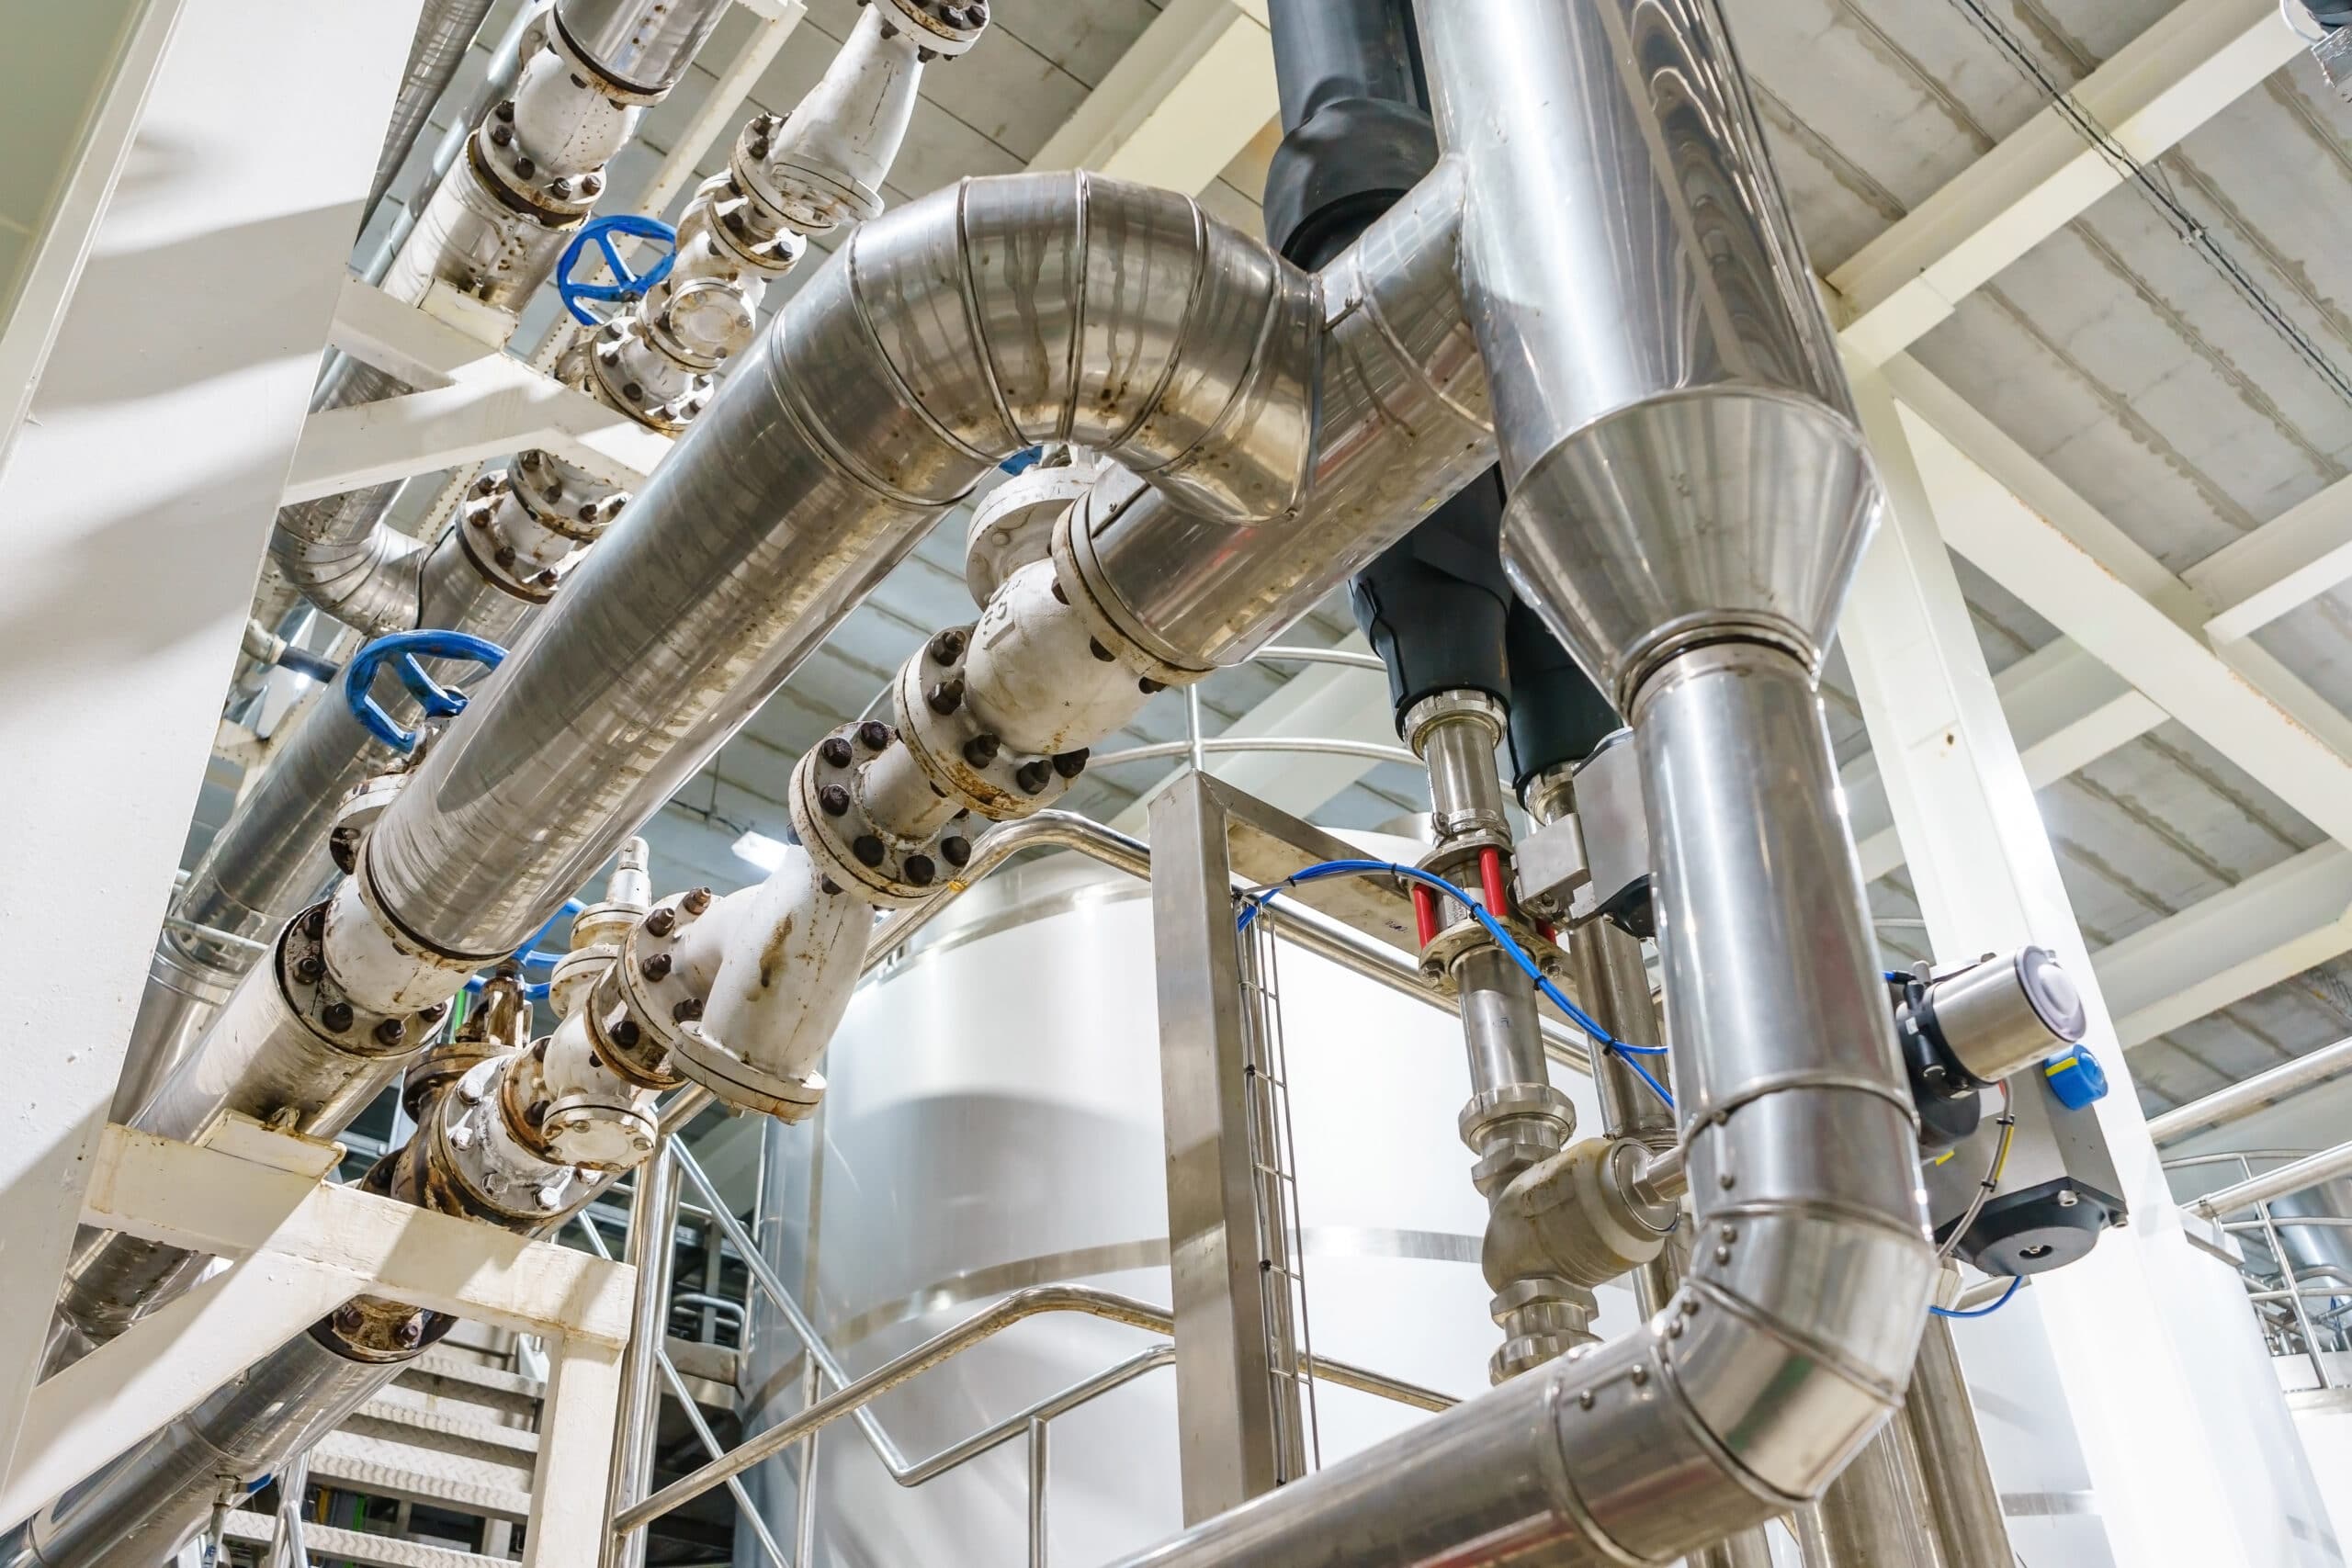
{"x": 1987, "y": 1310}
{"x": 1494, "y": 928}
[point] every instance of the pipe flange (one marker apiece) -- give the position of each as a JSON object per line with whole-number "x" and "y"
{"x": 850, "y": 847}
{"x": 514, "y": 179}
{"x": 616, "y": 384}
{"x": 705, "y": 1060}
{"x": 638, "y": 1009}
{"x": 957, "y": 752}
{"x": 368, "y": 800}
{"x": 1538, "y": 1102}
{"x": 318, "y": 999}
{"x": 1080, "y": 576}
{"x": 1443, "y": 955}
{"x": 944, "y": 28}
{"x": 483, "y": 552}
{"x": 1013, "y": 525}
{"x": 601, "y": 81}
{"x": 561, "y": 497}
{"x": 380, "y": 1332}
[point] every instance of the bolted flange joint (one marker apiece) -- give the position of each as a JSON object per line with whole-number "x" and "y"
{"x": 870, "y": 819}
{"x": 320, "y": 1000}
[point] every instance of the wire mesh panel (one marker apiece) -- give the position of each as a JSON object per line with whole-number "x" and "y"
{"x": 1290, "y": 1351}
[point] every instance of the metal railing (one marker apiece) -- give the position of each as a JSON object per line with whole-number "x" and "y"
{"x": 852, "y": 1397}
{"x": 2297, "y": 1330}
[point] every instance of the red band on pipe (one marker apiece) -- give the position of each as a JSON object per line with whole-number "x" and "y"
{"x": 1425, "y": 913}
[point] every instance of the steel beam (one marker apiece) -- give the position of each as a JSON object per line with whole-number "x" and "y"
{"x": 139, "y": 495}
{"x": 2148, "y": 96}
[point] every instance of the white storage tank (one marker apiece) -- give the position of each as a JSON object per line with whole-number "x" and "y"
{"x": 993, "y": 1122}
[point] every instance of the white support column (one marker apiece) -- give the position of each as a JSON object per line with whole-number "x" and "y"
{"x": 2181, "y": 1430}
{"x": 138, "y": 499}
{"x": 568, "y": 1522}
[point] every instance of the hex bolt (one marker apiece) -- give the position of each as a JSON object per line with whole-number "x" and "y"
{"x": 486, "y": 485}
{"x": 346, "y": 1317}
{"x": 1151, "y": 687}
{"x": 634, "y": 393}
{"x": 981, "y": 749}
{"x": 505, "y": 110}
{"x": 947, "y": 647}
{"x": 695, "y": 901}
{"x": 758, "y": 151}
{"x": 547, "y": 579}
{"x": 945, "y": 697}
{"x": 834, "y": 800}
{"x": 918, "y": 870}
{"x": 314, "y": 918}
{"x": 1031, "y": 776}
{"x": 591, "y": 182}
{"x": 524, "y": 167}
{"x": 310, "y": 969}
{"x": 560, "y": 189}
{"x": 410, "y": 1333}
{"x": 391, "y": 1032}
{"x": 874, "y": 735}
{"x": 834, "y": 750}
{"x": 1101, "y": 654}
{"x": 867, "y": 849}
{"x": 435, "y": 1013}
{"x": 624, "y": 1034}
{"x": 688, "y": 1010}
{"x": 336, "y": 1016}
{"x": 832, "y": 888}
{"x": 503, "y": 555}
{"x": 1070, "y": 765}
{"x": 500, "y": 135}
{"x": 654, "y": 965}
{"x": 661, "y": 920}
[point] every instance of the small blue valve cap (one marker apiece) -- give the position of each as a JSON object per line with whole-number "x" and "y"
{"x": 2076, "y": 1078}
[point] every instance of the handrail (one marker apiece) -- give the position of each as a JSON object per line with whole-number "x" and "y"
{"x": 852, "y": 1396}
{"x": 1325, "y": 745}
{"x": 2325, "y": 1165}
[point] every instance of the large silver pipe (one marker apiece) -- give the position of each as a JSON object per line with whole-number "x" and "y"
{"x": 645, "y": 47}
{"x": 1876, "y": 1513}
{"x": 1971, "y": 1527}
{"x": 2322, "y": 1065}
{"x": 445, "y": 31}
{"x": 1099, "y": 312}
{"x": 653, "y": 1220}
{"x": 2310, "y": 1171}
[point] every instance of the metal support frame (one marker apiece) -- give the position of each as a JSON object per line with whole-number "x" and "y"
{"x": 1234, "y": 1402}
{"x": 300, "y": 1246}
{"x": 2169, "y": 1405}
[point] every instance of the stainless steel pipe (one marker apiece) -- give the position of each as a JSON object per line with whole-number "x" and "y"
{"x": 445, "y": 31}
{"x": 1970, "y": 1525}
{"x": 2309, "y": 1171}
{"x": 2243, "y": 1099}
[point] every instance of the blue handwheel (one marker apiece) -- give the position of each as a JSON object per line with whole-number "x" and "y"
{"x": 625, "y": 284}
{"x": 402, "y": 649}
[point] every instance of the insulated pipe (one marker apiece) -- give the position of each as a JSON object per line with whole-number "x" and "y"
{"x": 1970, "y": 1526}
{"x": 445, "y": 31}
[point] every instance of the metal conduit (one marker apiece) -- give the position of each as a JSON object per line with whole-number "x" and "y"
{"x": 2308, "y": 1071}
{"x": 2309, "y": 1171}
{"x": 444, "y": 30}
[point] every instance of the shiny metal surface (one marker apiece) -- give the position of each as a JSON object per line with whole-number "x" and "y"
{"x": 653, "y": 1218}
{"x": 1670, "y": 413}
{"x": 2244, "y": 1098}
{"x": 2008, "y": 1012}
{"x": 2312, "y": 1171}
{"x": 1970, "y": 1529}
{"x": 444, "y": 30}
{"x": 1401, "y": 423}
{"x": 139, "y": 1509}
{"x": 1876, "y": 1513}
{"x": 644, "y": 44}
{"x": 1102, "y": 312}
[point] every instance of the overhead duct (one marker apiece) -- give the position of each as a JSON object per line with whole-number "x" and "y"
{"x": 445, "y": 31}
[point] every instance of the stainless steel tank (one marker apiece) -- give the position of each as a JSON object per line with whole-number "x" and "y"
{"x": 993, "y": 1122}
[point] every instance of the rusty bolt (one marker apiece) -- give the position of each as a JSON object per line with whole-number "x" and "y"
{"x": 634, "y": 393}
{"x": 435, "y": 1013}
{"x": 555, "y": 489}
{"x": 479, "y": 519}
{"x": 524, "y": 167}
{"x": 410, "y": 1333}
{"x": 547, "y": 579}
{"x": 654, "y": 966}
{"x": 947, "y": 647}
{"x": 1101, "y": 654}
{"x": 535, "y": 1112}
{"x": 1070, "y": 765}
{"x": 867, "y": 849}
{"x": 1149, "y": 686}
{"x": 734, "y": 221}
{"x": 834, "y": 750}
{"x": 834, "y": 800}
{"x": 503, "y": 555}
{"x": 661, "y": 920}
{"x": 559, "y": 188}
{"x": 758, "y": 150}
{"x": 505, "y": 111}
{"x": 955, "y": 850}
{"x": 829, "y": 885}
{"x": 590, "y": 183}
{"x": 590, "y": 511}
{"x": 391, "y": 1032}
{"x": 945, "y": 697}
{"x": 314, "y": 920}
{"x": 343, "y": 847}
{"x": 918, "y": 870}
{"x": 1031, "y": 776}
{"x": 624, "y": 1033}
{"x": 486, "y": 485}
{"x": 500, "y": 135}
{"x": 346, "y": 1317}
{"x": 336, "y": 1016}
{"x": 688, "y": 1011}
{"x": 981, "y": 749}
{"x": 696, "y": 901}
{"x": 309, "y": 969}
{"x": 874, "y": 735}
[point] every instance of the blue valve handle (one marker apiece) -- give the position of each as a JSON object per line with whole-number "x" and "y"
{"x": 402, "y": 649}
{"x": 625, "y": 284}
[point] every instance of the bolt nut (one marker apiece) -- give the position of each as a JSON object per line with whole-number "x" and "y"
{"x": 310, "y": 969}
{"x": 918, "y": 870}
{"x": 346, "y": 1317}
{"x": 391, "y": 1032}
{"x": 314, "y": 918}
{"x": 695, "y": 901}
{"x": 981, "y": 749}
{"x": 661, "y": 921}
{"x": 336, "y": 1016}
{"x": 834, "y": 800}
{"x": 1101, "y": 654}
{"x": 1151, "y": 687}
{"x": 947, "y": 647}
{"x": 1031, "y": 776}
{"x": 486, "y": 485}
{"x": 524, "y": 167}
{"x": 624, "y": 1033}
{"x": 501, "y": 134}
{"x": 688, "y": 1010}
{"x": 590, "y": 183}
{"x": 874, "y": 735}
{"x": 503, "y": 555}
{"x": 867, "y": 849}
{"x": 835, "y": 751}
{"x": 505, "y": 111}
{"x": 435, "y": 1013}
{"x": 956, "y": 851}
{"x": 654, "y": 966}
{"x": 945, "y": 697}
{"x": 559, "y": 188}
{"x": 410, "y": 1333}
{"x": 634, "y": 391}
{"x": 343, "y": 848}
{"x": 1070, "y": 765}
